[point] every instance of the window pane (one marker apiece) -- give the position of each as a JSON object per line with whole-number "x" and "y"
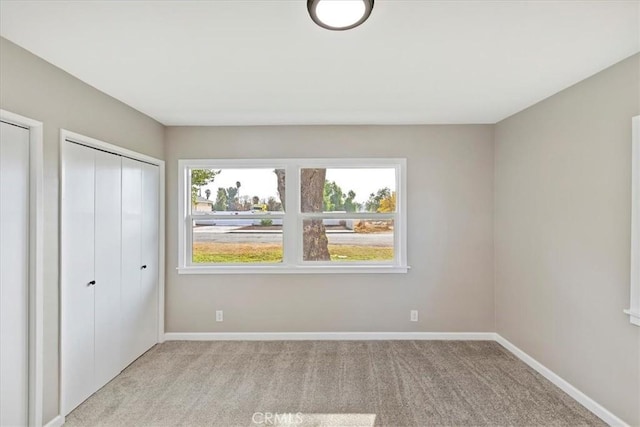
{"x": 350, "y": 240}
{"x": 348, "y": 190}
{"x": 237, "y": 241}
{"x": 237, "y": 190}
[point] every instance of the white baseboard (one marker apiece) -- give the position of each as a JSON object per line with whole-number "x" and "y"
{"x": 58, "y": 421}
{"x": 327, "y": 336}
{"x": 562, "y": 384}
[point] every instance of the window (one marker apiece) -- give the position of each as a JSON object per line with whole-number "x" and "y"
{"x": 292, "y": 216}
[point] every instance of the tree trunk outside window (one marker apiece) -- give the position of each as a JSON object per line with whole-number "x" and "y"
{"x": 314, "y": 236}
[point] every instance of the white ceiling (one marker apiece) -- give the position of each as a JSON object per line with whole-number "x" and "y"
{"x": 241, "y": 62}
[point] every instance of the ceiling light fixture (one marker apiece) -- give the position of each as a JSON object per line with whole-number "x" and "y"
{"x": 339, "y": 15}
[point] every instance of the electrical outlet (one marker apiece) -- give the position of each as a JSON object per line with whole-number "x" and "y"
{"x": 414, "y": 315}
{"x": 219, "y": 316}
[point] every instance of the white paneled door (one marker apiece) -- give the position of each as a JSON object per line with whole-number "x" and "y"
{"x": 131, "y": 262}
{"x": 14, "y": 274}
{"x": 140, "y": 204}
{"x": 108, "y": 357}
{"x": 109, "y": 267}
{"x": 149, "y": 232}
{"x": 78, "y": 280}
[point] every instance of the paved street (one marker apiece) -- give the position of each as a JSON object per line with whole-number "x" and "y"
{"x": 227, "y": 235}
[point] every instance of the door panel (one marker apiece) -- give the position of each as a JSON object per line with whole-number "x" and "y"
{"x": 132, "y": 313}
{"x": 77, "y": 271}
{"x": 149, "y": 254}
{"x": 108, "y": 360}
{"x": 14, "y": 274}
{"x": 109, "y": 231}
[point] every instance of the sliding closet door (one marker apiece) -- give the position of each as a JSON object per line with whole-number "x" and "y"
{"x": 78, "y": 279}
{"x": 149, "y": 255}
{"x": 14, "y": 274}
{"x": 108, "y": 360}
{"x": 132, "y": 315}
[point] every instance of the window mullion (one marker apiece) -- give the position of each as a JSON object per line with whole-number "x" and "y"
{"x": 348, "y": 215}
{"x": 397, "y": 240}
{"x": 290, "y": 227}
{"x": 183, "y": 230}
{"x": 207, "y": 216}
{"x": 188, "y": 252}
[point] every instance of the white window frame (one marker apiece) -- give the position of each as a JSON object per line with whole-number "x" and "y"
{"x": 292, "y": 218}
{"x": 634, "y": 308}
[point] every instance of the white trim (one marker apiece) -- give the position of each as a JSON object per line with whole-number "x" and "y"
{"x": 401, "y": 227}
{"x": 351, "y": 162}
{"x": 291, "y": 226}
{"x": 101, "y": 145}
{"x": 161, "y": 253}
{"x": 36, "y": 262}
{"x": 565, "y": 386}
{"x": 248, "y": 215}
{"x": 292, "y": 262}
{"x": 184, "y": 239}
{"x": 58, "y": 421}
{"x": 347, "y": 215}
{"x": 306, "y": 269}
{"x": 634, "y": 307}
{"x": 328, "y": 336}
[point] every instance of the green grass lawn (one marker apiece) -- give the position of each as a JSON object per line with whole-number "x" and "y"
{"x": 360, "y": 253}
{"x": 209, "y": 253}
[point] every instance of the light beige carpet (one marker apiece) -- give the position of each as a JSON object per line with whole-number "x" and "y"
{"x": 330, "y": 383}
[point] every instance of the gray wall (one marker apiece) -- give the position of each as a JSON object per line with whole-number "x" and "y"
{"x": 36, "y": 89}
{"x": 563, "y": 213}
{"x": 450, "y": 244}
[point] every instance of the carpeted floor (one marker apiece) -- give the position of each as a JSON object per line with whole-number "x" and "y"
{"x": 330, "y": 383}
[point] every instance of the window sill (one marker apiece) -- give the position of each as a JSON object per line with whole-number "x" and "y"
{"x": 232, "y": 269}
{"x": 634, "y": 317}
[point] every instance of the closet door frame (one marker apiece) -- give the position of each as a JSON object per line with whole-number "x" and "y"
{"x": 105, "y": 146}
{"x": 36, "y": 261}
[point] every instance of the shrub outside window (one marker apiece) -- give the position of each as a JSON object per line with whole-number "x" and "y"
{"x": 292, "y": 216}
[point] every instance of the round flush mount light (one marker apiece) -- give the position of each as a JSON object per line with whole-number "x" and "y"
{"x": 339, "y": 15}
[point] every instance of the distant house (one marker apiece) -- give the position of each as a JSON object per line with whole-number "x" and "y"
{"x": 202, "y": 205}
